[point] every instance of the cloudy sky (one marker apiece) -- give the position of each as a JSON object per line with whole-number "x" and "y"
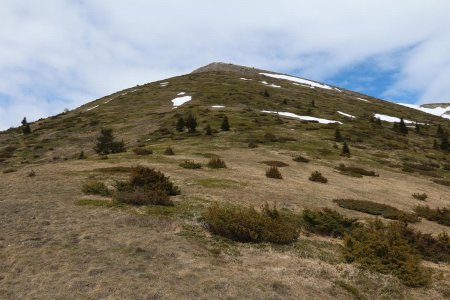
{"x": 62, "y": 53}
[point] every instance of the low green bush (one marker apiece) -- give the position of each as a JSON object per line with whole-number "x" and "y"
{"x": 439, "y": 215}
{"x": 190, "y": 164}
{"x": 248, "y": 225}
{"x": 442, "y": 182}
{"x": 300, "y": 158}
{"x": 95, "y": 188}
{"x": 421, "y": 197}
{"x": 216, "y": 163}
{"x": 169, "y": 151}
{"x": 274, "y": 163}
{"x": 316, "y": 176}
{"x": 142, "y": 151}
{"x": 328, "y": 222}
{"x": 358, "y": 171}
{"x": 382, "y": 248}
{"x": 378, "y": 209}
{"x": 273, "y": 172}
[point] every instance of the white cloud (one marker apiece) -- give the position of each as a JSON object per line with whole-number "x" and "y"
{"x": 56, "y": 54}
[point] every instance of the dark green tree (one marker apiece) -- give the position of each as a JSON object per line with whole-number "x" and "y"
{"x": 440, "y": 131}
{"x": 266, "y": 93}
{"x": 402, "y": 127}
{"x": 444, "y": 143}
{"x": 180, "y": 124}
{"x": 25, "y": 126}
{"x": 208, "y": 130}
{"x": 106, "y": 143}
{"x": 191, "y": 123}
{"x": 313, "y": 103}
{"x": 345, "y": 149}
{"x": 417, "y": 128}
{"x": 225, "y": 124}
{"x": 337, "y": 135}
{"x": 435, "y": 144}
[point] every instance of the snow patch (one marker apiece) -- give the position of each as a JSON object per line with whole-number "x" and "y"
{"x": 390, "y": 119}
{"x": 346, "y": 115}
{"x": 306, "y": 118}
{"x": 164, "y": 83}
{"x": 242, "y": 78}
{"x": 217, "y": 106}
{"x": 181, "y": 100}
{"x": 441, "y": 111}
{"x": 91, "y": 108}
{"x": 298, "y": 80}
{"x": 363, "y": 99}
{"x": 271, "y": 85}
{"x": 181, "y": 94}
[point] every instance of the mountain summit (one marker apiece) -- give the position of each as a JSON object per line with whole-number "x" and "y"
{"x": 228, "y": 182}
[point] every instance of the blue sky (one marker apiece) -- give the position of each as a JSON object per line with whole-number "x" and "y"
{"x": 63, "y": 53}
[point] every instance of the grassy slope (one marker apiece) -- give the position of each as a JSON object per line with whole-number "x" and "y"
{"x": 55, "y": 241}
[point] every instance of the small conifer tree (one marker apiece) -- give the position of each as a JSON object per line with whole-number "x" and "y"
{"x": 337, "y": 135}
{"x": 106, "y": 143}
{"x": 444, "y": 143}
{"x": 180, "y": 124}
{"x": 440, "y": 131}
{"x": 435, "y": 144}
{"x": 208, "y": 130}
{"x": 191, "y": 123}
{"x": 417, "y": 128}
{"x": 25, "y": 126}
{"x": 313, "y": 103}
{"x": 266, "y": 93}
{"x": 345, "y": 149}
{"x": 225, "y": 124}
{"x": 402, "y": 127}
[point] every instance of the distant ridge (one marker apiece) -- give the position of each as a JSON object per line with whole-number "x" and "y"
{"x": 227, "y": 67}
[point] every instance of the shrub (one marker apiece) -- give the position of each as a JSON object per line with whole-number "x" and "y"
{"x": 82, "y": 155}
{"x": 316, "y": 176}
{"x": 252, "y": 144}
{"x": 345, "y": 150}
{"x": 169, "y": 151}
{"x": 9, "y": 170}
{"x": 247, "y": 225}
{"x": 300, "y": 158}
{"x": 382, "y": 248}
{"x": 142, "y": 151}
{"x": 180, "y": 124}
{"x": 439, "y": 215}
{"x": 378, "y": 209}
{"x": 442, "y": 182}
{"x": 216, "y": 163}
{"x": 95, "y": 188}
{"x": 191, "y": 123}
{"x": 32, "y": 173}
{"x": 143, "y": 197}
{"x": 274, "y": 163}
{"x": 421, "y": 197}
{"x": 354, "y": 171}
{"x": 190, "y": 164}
{"x": 327, "y": 222}
{"x": 273, "y": 172}
{"x": 149, "y": 179}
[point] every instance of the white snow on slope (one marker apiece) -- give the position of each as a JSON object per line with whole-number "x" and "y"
{"x": 181, "y": 94}
{"x": 387, "y": 118}
{"x": 218, "y": 106}
{"x": 298, "y": 80}
{"x": 438, "y": 111}
{"x": 164, "y": 83}
{"x": 363, "y": 99}
{"x": 91, "y": 108}
{"x": 242, "y": 78}
{"x": 271, "y": 85}
{"x": 181, "y": 100}
{"x": 346, "y": 115}
{"x": 306, "y": 118}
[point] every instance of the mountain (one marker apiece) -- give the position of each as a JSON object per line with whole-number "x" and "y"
{"x": 62, "y": 235}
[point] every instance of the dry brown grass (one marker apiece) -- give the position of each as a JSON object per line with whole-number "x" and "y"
{"x": 52, "y": 248}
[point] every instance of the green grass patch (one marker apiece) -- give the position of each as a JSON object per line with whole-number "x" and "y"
{"x": 377, "y": 209}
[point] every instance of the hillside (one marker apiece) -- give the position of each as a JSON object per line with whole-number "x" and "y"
{"x": 58, "y": 242}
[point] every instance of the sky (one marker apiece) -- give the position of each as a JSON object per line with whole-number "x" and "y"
{"x": 63, "y": 53}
